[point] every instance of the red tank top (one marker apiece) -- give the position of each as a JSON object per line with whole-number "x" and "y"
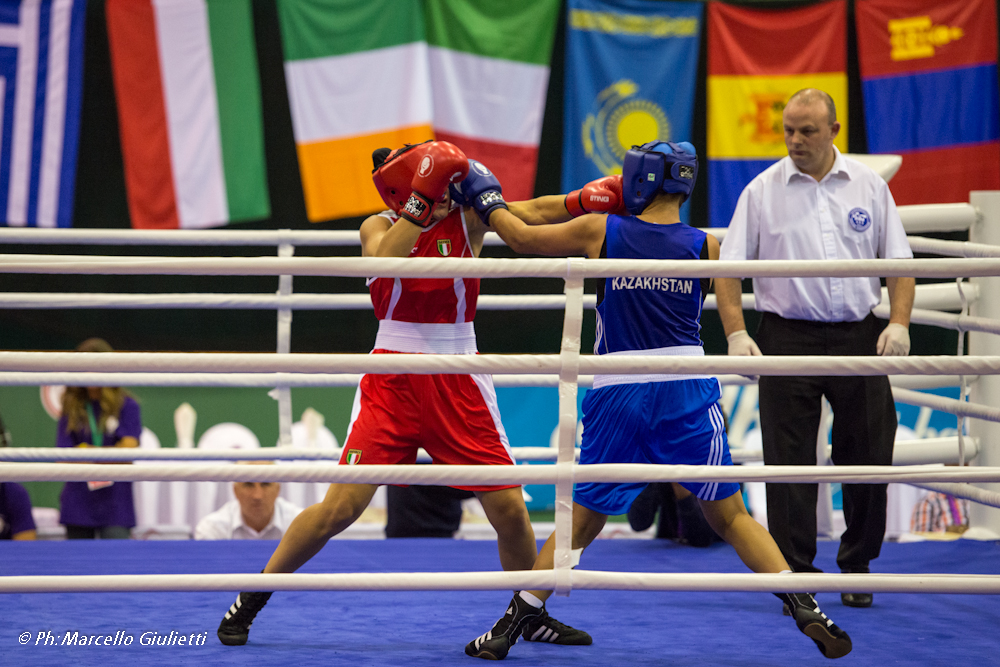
{"x": 430, "y": 300}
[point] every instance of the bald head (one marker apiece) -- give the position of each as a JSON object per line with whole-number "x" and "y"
{"x": 811, "y": 96}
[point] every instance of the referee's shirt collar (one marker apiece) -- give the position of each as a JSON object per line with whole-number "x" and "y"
{"x": 840, "y": 169}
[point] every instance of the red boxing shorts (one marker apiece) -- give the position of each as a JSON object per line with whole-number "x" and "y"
{"x": 455, "y": 418}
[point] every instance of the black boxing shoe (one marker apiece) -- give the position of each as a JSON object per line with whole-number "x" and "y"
{"x": 235, "y": 627}
{"x": 544, "y": 628}
{"x": 495, "y": 644}
{"x": 813, "y": 623}
{"x": 786, "y": 610}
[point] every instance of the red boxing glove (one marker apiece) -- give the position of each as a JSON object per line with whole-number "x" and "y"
{"x": 442, "y": 164}
{"x": 601, "y": 196}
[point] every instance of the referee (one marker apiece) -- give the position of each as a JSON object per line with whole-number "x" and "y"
{"x": 816, "y": 204}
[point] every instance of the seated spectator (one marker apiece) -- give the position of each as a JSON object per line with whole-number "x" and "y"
{"x": 424, "y": 511}
{"x": 680, "y": 515}
{"x": 940, "y": 513}
{"x": 98, "y": 417}
{"x": 16, "y": 522}
{"x": 256, "y": 514}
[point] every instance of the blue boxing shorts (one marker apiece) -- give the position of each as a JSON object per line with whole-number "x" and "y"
{"x": 677, "y": 422}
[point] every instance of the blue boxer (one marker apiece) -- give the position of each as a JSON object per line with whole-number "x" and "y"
{"x": 677, "y": 422}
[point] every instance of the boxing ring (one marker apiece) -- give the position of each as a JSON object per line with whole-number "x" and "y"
{"x": 567, "y": 370}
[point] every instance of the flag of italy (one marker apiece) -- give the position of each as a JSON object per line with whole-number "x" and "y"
{"x": 489, "y": 69}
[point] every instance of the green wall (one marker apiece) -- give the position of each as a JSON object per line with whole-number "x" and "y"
{"x": 31, "y": 426}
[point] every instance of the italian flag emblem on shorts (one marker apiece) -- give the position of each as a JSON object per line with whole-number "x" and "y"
{"x": 353, "y": 456}
{"x": 444, "y": 247}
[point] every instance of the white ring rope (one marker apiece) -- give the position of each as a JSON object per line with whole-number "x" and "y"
{"x": 106, "y": 454}
{"x": 300, "y": 301}
{"x": 491, "y": 302}
{"x": 179, "y": 237}
{"x": 475, "y": 475}
{"x": 952, "y": 248}
{"x": 934, "y": 296}
{"x": 504, "y": 302}
{"x": 179, "y": 362}
{"x": 967, "y": 491}
{"x": 921, "y": 218}
{"x": 972, "y": 584}
{"x": 930, "y": 449}
{"x": 915, "y": 218}
{"x": 958, "y": 322}
{"x": 950, "y": 405}
{"x": 426, "y": 267}
{"x": 269, "y": 380}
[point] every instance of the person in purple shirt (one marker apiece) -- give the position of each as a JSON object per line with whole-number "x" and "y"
{"x": 98, "y": 417}
{"x": 16, "y": 522}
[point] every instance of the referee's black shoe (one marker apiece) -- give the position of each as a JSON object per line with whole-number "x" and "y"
{"x": 235, "y": 627}
{"x": 495, "y": 644}
{"x": 830, "y": 639}
{"x": 856, "y": 599}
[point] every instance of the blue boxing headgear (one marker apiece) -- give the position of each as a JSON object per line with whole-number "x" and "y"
{"x": 658, "y": 166}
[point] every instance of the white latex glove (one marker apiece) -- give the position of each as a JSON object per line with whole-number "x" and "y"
{"x": 742, "y": 345}
{"x": 894, "y": 341}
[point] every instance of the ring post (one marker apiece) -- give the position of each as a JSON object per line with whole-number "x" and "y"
{"x": 284, "y": 347}
{"x": 986, "y": 390}
{"x": 569, "y": 371}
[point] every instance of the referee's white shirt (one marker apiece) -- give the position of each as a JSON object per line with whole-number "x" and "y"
{"x": 226, "y": 523}
{"x": 785, "y": 214}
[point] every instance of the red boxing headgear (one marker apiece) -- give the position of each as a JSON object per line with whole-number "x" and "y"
{"x": 392, "y": 177}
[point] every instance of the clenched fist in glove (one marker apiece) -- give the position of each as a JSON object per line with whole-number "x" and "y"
{"x": 894, "y": 341}
{"x": 442, "y": 164}
{"x": 601, "y": 196}
{"x": 481, "y": 190}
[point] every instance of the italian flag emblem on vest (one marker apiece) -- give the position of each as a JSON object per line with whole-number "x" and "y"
{"x": 353, "y": 456}
{"x": 444, "y": 247}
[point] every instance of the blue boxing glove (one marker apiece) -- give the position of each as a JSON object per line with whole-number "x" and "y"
{"x": 480, "y": 189}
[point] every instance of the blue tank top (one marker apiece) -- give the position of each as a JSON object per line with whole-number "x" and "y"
{"x": 649, "y": 313}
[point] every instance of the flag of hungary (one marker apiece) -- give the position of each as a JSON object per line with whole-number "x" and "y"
{"x": 188, "y": 95}
{"x": 363, "y": 74}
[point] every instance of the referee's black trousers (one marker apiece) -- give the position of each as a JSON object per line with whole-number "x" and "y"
{"x": 864, "y": 429}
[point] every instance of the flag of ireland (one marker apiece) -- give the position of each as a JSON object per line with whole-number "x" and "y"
{"x": 381, "y": 73}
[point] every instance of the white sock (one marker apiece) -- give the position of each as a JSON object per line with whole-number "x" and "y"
{"x": 531, "y": 599}
{"x": 785, "y": 572}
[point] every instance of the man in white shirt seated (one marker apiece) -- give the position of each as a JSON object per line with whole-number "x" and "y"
{"x": 256, "y": 514}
